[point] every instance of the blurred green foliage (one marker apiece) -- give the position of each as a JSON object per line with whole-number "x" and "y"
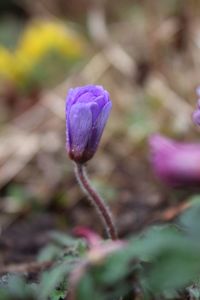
{"x": 160, "y": 263}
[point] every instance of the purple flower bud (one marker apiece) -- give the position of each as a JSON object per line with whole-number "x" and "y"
{"x": 87, "y": 111}
{"x": 175, "y": 163}
{"x": 196, "y": 113}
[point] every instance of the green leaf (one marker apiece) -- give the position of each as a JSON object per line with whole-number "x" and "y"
{"x": 58, "y": 295}
{"x": 163, "y": 260}
{"x": 65, "y": 240}
{"x": 190, "y": 220}
{"x": 16, "y": 287}
{"x": 50, "y": 280}
{"x": 86, "y": 289}
{"x": 172, "y": 259}
{"x": 49, "y": 252}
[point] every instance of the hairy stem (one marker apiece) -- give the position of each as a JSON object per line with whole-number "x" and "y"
{"x": 97, "y": 201}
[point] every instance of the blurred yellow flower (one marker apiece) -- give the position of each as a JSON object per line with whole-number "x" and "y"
{"x": 42, "y": 37}
{"x": 6, "y": 64}
{"x": 39, "y": 39}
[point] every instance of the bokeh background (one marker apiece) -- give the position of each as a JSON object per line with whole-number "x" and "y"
{"x": 146, "y": 53}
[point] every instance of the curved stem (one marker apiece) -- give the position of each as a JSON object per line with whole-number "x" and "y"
{"x": 97, "y": 201}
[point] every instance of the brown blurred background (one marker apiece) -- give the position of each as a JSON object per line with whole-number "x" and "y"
{"x": 146, "y": 53}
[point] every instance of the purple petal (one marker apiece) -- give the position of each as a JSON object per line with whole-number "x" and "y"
{"x": 74, "y": 94}
{"x": 175, "y": 163}
{"x": 96, "y": 90}
{"x": 95, "y": 111}
{"x": 80, "y": 124}
{"x": 101, "y": 101}
{"x": 86, "y": 98}
{"x": 70, "y": 99}
{"x": 85, "y": 94}
{"x": 103, "y": 117}
{"x": 106, "y": 96}
{"x": 99, "y": 127}
{"x": 159, "y": 143}
{"x": 196, "y": 117}
{"x": 96, "y": 107}
{"x": 198, "y": 91}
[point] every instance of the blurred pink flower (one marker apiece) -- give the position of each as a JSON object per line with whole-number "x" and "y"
{"x": 175, "y": 163}
{"x": 92, "y": 238}
{"x": 196, "y": 113}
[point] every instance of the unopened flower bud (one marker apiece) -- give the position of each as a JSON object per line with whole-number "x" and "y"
{"x": 87, "y": 111}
